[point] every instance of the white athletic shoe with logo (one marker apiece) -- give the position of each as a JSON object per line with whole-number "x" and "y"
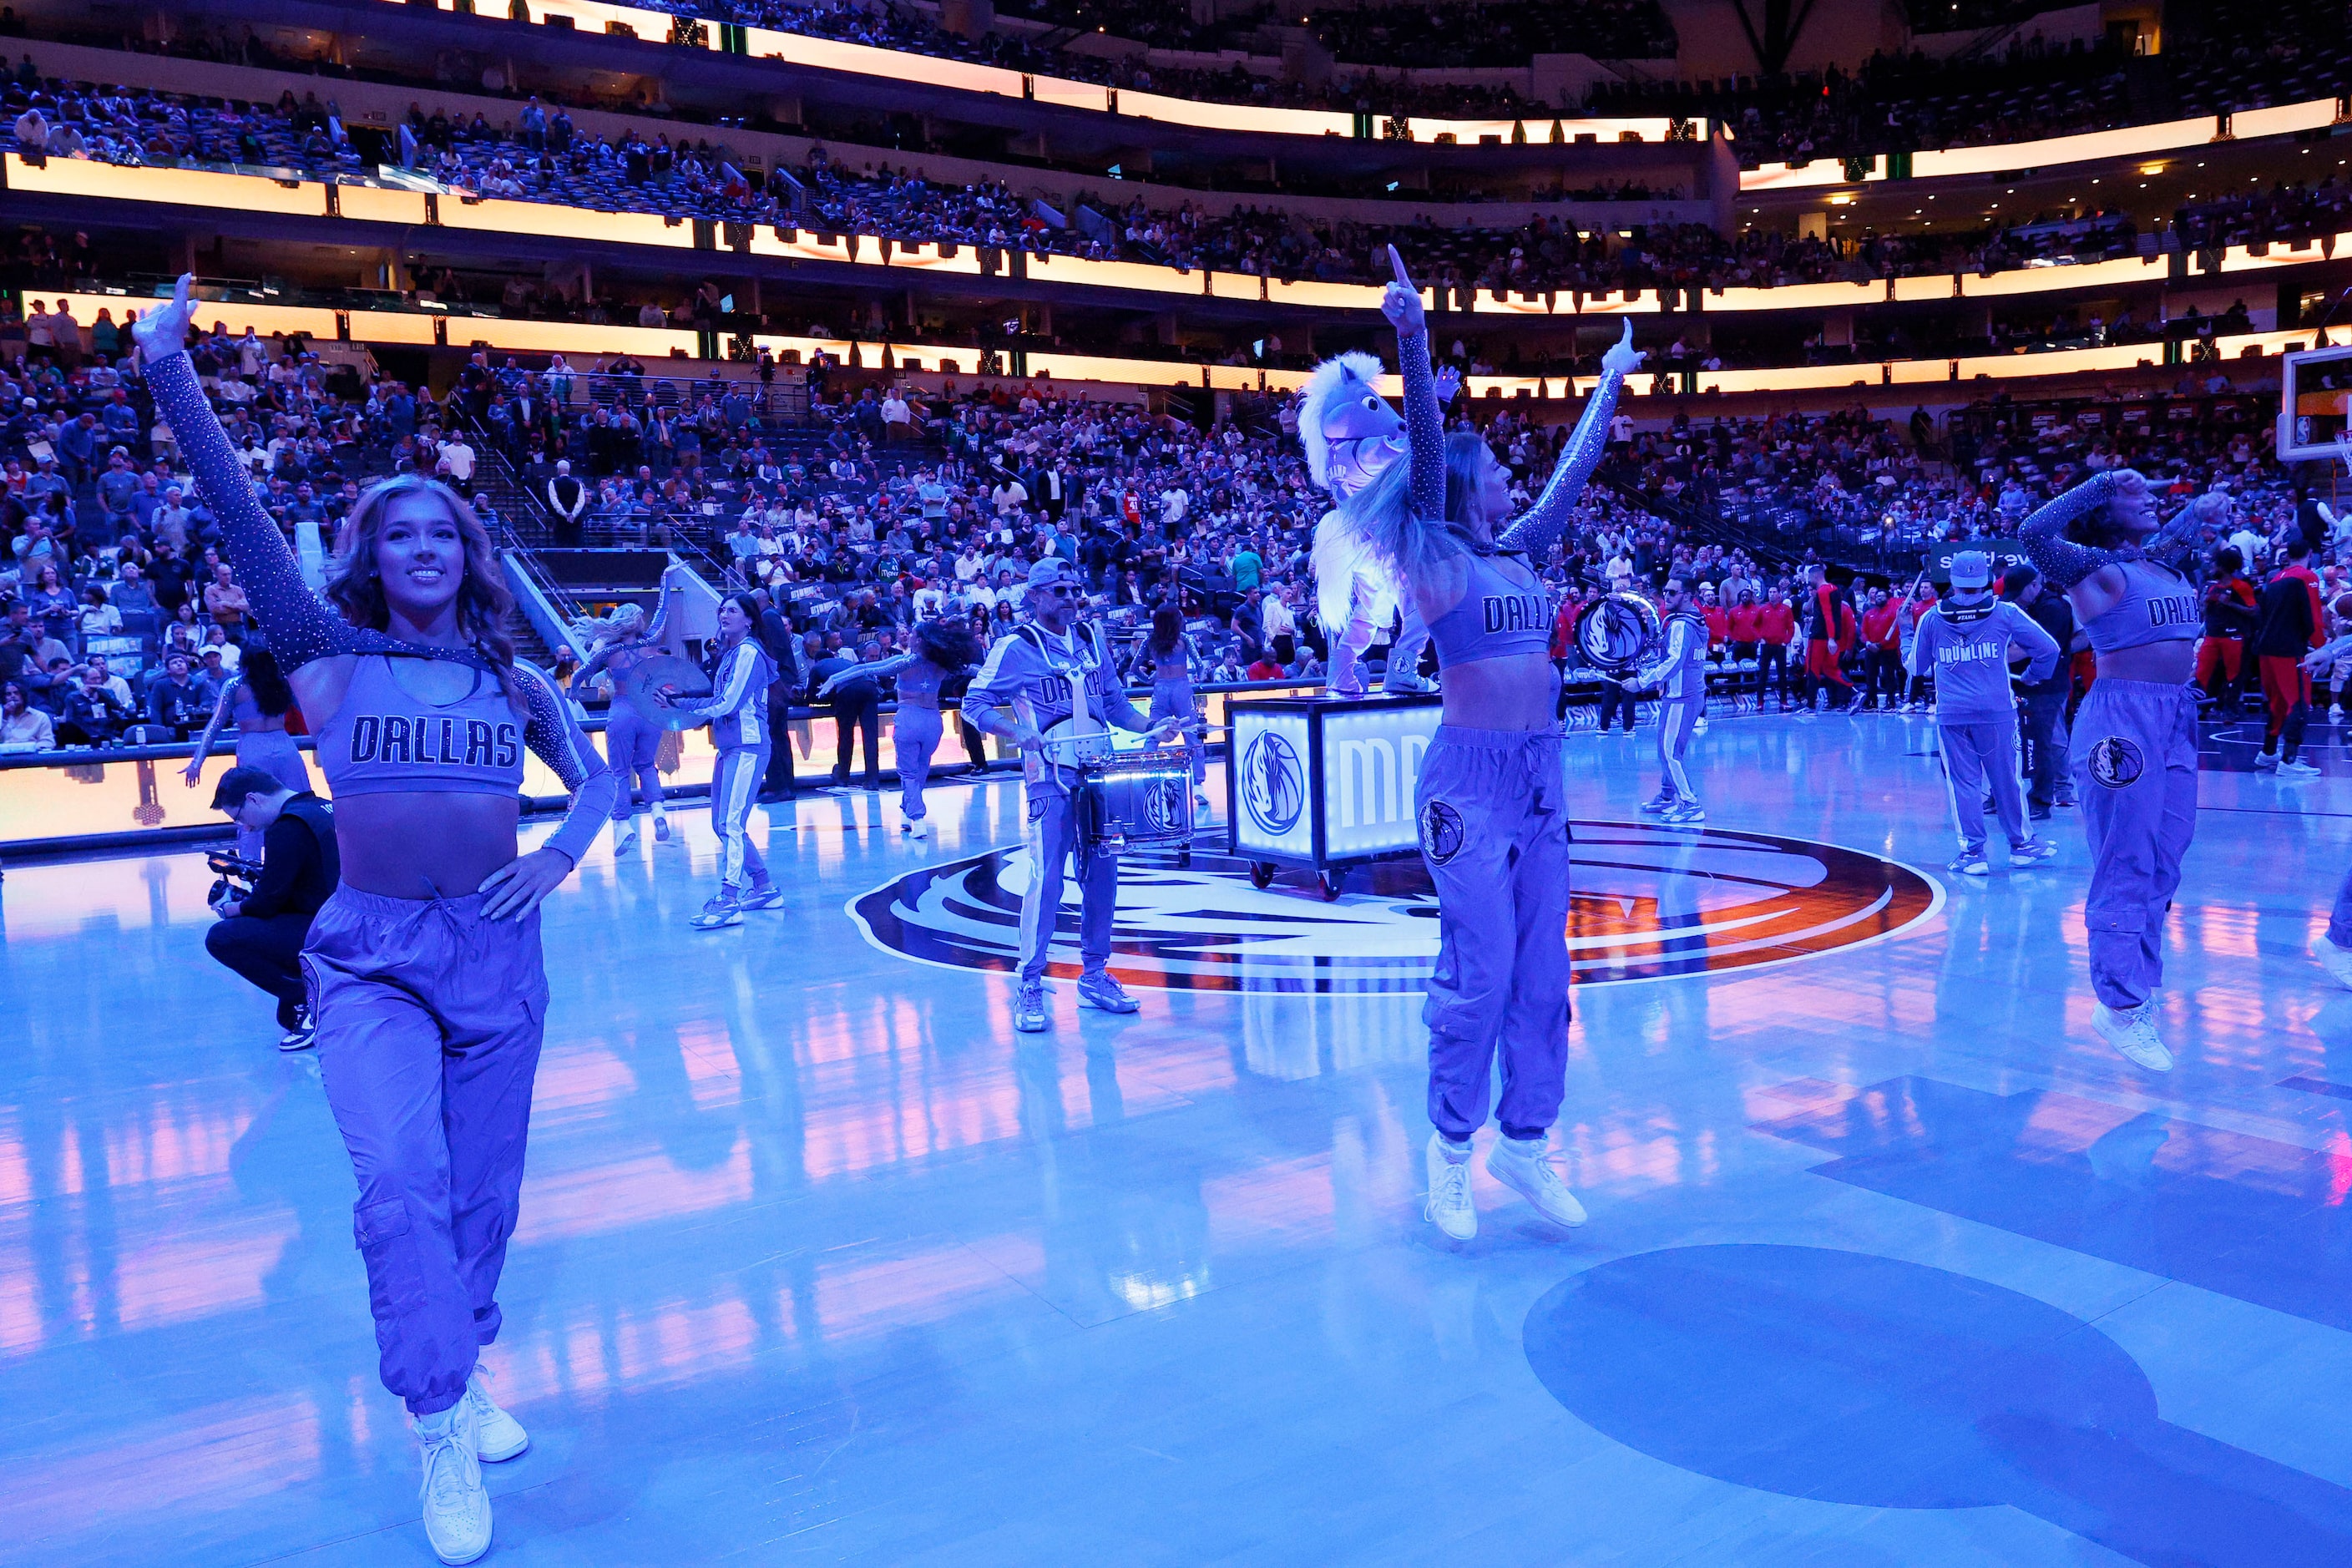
{"x": 1525, "y": 1166}
{"x": 1449, "y": 1207}
{"x": 1684, "y": 814}
{"x": 1104, "y": 992}
{"x": 456, "y": 1504}
{"x": 2297, "y": 768}
{"x": 2336, "y": 960}
{"x": 497, "y": 1436}
{"x": 721, "y": 911}
{"x": 1029, "y": 1008}
{"x": 2032, "y": 852}
{"x": 2131, "y": 1031}
{"x": 1659, "y": 804}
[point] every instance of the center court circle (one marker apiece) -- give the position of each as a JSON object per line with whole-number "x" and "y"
{"x": 1648, "y": 903}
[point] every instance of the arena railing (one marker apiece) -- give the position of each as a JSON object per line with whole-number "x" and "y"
{"x": 895, "y": 64}
{"x": 390, "y": 204}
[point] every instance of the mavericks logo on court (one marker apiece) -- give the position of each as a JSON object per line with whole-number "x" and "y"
{"x": 1273, "y": 783}
{"x": 1648, "y": 902}
{"x": 2115, "y": 761}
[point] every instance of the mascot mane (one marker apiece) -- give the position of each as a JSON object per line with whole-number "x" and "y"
{"x": 1323, "y": 389}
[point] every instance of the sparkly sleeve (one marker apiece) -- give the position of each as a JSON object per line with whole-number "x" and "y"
{"x": 584, "y": 678}
{"x": 1425, "y": 427}
{"x": 2043, "y": 539}
{"x": 658, "y": 628}
{"x": 300, "y": 628}
{"x": 1543, "y": 522}
{"x": 557, "y": 738}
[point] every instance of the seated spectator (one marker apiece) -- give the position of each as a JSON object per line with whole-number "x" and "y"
{"x": 23, "y": 727}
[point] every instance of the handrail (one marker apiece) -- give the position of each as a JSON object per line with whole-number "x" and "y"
{"x": 538, "y": 599}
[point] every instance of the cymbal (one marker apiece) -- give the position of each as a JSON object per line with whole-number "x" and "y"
{"x": 665, "y": 672}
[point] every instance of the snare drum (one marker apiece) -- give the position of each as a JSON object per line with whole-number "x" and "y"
{"x": 1139, "y": 800}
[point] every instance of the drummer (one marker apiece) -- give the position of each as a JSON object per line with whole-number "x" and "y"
{"x": 1055, "y": 675}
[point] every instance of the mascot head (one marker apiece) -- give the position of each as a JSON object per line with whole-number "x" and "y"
{"x": 1350, "y": 431}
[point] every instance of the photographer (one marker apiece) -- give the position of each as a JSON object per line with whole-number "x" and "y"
{"x": 261, "y": 935}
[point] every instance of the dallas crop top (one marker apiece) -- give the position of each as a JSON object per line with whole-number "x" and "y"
{"x": 381, "y": 740}
{"x": 1505, "y": 611}
{"x": 2159, "y": 603}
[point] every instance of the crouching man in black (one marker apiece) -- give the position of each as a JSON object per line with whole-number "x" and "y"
{"x": 260, "y": 936}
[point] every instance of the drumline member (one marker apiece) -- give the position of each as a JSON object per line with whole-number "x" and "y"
{"x": 2135, "y": 748}
{"x": 1679, "y": 676}
{"x": 1055, "y": 675}
{"x": 424, "y": 970}
{"x": 1490, "y": 802}
{"x": 617, "y": 644}
{"x": 737, "y": 708}
{"x": 1965, "y": 643}
{"x": 944, "y": 649}
{"x": 258, "y": 698}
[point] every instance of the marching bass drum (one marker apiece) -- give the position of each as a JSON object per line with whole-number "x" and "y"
{"x": 1136, "y": 800}
{"x": 1618, "y": 633}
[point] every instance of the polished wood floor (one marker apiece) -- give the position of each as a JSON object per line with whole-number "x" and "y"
{"x": 1890, "y": 1260}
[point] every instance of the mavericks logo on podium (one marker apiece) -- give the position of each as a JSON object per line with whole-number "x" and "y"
{"x": 1273, "y": 783}
{"x": 1648, "y": 903}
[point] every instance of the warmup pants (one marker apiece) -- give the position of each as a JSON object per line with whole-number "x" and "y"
{"x": 2340, "y": 920}
{"x": 975, "y": 745}
{"x": 778, "y": 780}
{"x": 1773, "y": 671}
{"x": 1615, "y": 698}
{"x": 1494, "y": 832}
{"x": 2046, "y": 745}
{"x": 631, "y": 746}
{"x": 1174, "y": 699}
{"x": 2220, "y": 661}
{"x": 916, "y": 736}
{"x": 268, "y": 952}
{"x": 850, "y": 720}
{"x": 2287, "y": 691}
{"x": 1676, "y": 717}
{"x": 274, "y": 753}
{"x": 2136, "y": 772}
{"x": 1053, "y": 834}
{"x": 1821, "y": 671}
{"x": 429, "y": 1020}
{"x": 1976, "y": 750}
{"x": 734, "y": 789}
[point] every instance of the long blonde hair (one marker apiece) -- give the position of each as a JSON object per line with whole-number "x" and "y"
{"x": 590, "y": 632}
{"x": 355, "y": 587}
{"x": 1381, "y": 515}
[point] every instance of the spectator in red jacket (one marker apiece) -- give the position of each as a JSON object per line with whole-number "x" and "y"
{"x": 1881, "y": 643}
{"x": 1775, "y": 627}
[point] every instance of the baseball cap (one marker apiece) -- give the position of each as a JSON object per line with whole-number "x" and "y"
{"x": 1971, "y": 568}
{"x": 1053, "y": 572}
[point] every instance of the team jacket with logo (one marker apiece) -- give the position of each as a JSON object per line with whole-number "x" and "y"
{"x": 1970, "y": 658}
{"x": 1060, "y": 686}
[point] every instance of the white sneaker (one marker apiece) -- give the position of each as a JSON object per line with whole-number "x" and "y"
{"x": 2265, "y": 760}
{"x": 661, "y": 827}
{"x": 920, "y": 829}
{"x": 2131, "y": 1031}
{"x": 456, "y": 1504}
{"x": 1525, "y": 1166}
{"x": 1449, "y": 1203}
{"x": 1029, "y": 1007}
{"x": 2336, "y": 960}
{"x": 498, "y": 1436}
{"x": 2299, "y": 768}
{"x": 625, "y": 843}
{"x": 1104, "y": 992}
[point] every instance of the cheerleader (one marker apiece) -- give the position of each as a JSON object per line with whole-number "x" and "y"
{"x": 1490, "y": 803}
{"x": 2135, "y": 744}
{"x": 1174, "y": 666}
{"x": 258, "y": 699}
{"x": 424, "y": 966}
{"x": 616, "y": 644}
{"x": 944, "y": 649}
{"x": 737, "y": 712}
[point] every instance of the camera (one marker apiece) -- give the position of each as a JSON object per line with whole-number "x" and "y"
{"x": 233, "y": 877}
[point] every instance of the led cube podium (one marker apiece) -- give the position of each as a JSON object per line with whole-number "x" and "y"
{"x": 1323, "y": 784}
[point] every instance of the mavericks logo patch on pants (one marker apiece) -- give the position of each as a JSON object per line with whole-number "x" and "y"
{"x": 1441, "y": 832}
{"x": 2115, "y": 761}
